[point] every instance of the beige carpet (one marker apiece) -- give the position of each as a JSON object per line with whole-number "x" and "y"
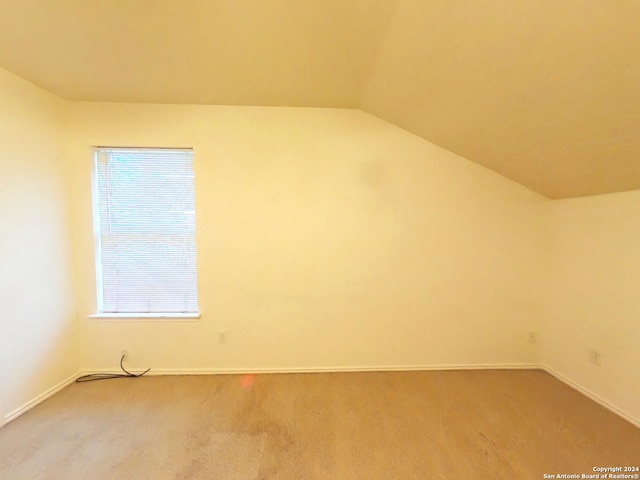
{"x": 405, "y": 425}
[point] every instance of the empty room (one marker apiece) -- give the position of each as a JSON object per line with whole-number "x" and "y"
{"x": 319, "y": 239}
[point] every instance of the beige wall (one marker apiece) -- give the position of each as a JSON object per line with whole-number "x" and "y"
{"x": 326, "y": 239}
{"x": 594, "y": 292}
{"x": 38, "y": 339}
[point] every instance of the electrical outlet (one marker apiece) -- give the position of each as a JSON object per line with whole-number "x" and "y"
{"x": 124, "y": 353}
{"x": 222, "y": 337}
{"x": 595, "y": 358}
{"x": 532, "y": 337}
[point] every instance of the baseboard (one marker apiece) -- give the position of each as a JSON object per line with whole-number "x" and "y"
{"x": 593, "y": 396}
{"x": 336, "y": 369}
{"x": 39, "y": 399}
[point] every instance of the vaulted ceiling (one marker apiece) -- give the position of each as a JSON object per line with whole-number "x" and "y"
{"x": 544, "y": 92}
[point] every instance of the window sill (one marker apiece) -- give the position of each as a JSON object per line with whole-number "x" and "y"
{"x": 146, "y": 316}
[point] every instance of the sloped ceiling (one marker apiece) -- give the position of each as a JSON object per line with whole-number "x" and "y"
{"x": 544, "y": 92}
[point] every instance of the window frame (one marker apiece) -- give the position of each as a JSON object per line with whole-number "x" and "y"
{"x": 97, "y": 236}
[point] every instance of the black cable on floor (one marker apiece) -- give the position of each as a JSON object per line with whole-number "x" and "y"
{"x": 92, "y": 377}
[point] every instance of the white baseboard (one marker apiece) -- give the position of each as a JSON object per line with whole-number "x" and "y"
{"x": 596, "y": 398}
{"x": 336, "y": 369}
{"x": 39, "y": 399}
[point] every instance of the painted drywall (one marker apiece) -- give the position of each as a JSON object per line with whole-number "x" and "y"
{"x": 214, "y": 52}
{"x": 326, "y": 238}
{"x": 38, "y": 339}
{"x": 545, "y": 93}
{"x": 594, "y": 287}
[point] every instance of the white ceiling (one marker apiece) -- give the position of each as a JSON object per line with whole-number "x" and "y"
{"x": 546, "y": 93}
{"x": 315, "y": 53}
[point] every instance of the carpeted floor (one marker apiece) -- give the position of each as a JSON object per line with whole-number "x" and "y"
{"x": 393, "y": 425}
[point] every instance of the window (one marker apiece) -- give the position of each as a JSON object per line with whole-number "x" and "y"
{"x": 144, "y": 220}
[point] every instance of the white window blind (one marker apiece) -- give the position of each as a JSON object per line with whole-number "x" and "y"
{"x": 144, "y": 216}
